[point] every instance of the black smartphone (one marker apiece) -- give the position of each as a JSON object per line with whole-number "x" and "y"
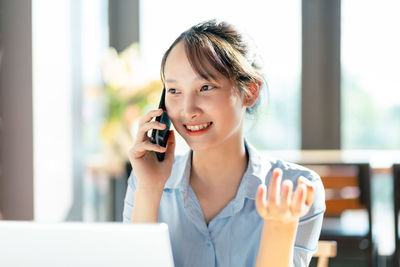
{"x": 160, "y": 137}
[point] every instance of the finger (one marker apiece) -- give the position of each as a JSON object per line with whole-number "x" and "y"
{"x": 310, "y": 189}
{"x": 142, "y": 133}
{"x": 145, "y": 146}
{"x": 170, "y": 152}
{"x": 149, "y": 116}
{"x": 261, "y": 200}
{"x": 286, "y": 196}
{"x": 299, "y": 198}
{"x": 275, "y": 187}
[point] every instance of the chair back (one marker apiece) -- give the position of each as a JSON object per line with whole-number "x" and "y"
{"x": 346, "y": 187}
{"x": 326, "y": 250}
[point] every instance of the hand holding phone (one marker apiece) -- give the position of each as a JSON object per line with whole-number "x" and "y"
{"x": 160, "y": 137}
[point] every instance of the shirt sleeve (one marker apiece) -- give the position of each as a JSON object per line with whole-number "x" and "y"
{"x": 129, "y": 197}
{"x": 309, "y": 227}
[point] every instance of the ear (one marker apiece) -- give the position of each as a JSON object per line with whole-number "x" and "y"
{"x": 250, "y": 99}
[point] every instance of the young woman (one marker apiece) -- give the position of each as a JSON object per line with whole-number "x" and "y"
{"x": 214, "y": 198}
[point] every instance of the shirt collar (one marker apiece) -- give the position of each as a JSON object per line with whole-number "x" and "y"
{"x": 255, "y": 174}
{"x": 180, "y": 173}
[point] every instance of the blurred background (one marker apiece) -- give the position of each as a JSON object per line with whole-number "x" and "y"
{"x": 76, "y": 75}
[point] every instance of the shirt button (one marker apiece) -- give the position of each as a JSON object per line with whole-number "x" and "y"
{"x": 208, "y": 244}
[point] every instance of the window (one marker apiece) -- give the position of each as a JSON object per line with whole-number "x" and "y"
{"x": 370, "y": 67}
{"x": 66, "y": 56}
{"x": 52, "y": 121}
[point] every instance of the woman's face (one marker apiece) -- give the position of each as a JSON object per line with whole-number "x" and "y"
{"x": 193, "y": 103}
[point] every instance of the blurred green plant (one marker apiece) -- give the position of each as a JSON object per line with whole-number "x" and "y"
{"x": 129, "y": 93}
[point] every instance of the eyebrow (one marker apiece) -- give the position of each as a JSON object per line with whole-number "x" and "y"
{"x": 170, "y": 80}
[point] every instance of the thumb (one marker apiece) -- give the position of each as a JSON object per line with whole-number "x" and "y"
{"x": 170, "y": 153}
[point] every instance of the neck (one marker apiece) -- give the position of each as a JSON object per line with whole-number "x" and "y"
{"x": 222, "y": 165}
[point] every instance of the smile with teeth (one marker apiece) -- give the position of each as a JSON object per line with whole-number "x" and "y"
{"x": 198, "y": 127}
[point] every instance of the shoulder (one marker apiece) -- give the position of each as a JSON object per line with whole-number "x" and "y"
{"x": 266, "y": 163}
{"x": 292, "y": 170}
{"x": 262, "y": 165}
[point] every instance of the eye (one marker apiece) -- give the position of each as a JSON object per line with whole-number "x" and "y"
{"x": 207, "y": 87}
{"x": 173, "y": 91}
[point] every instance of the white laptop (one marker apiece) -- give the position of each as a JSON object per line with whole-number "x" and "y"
{"x": 84, "y": 244}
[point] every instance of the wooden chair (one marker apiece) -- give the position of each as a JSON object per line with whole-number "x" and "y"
{"x": 347, "y": 188}
{"x": 396, "y": 193}
{"x": 326, "y": 250}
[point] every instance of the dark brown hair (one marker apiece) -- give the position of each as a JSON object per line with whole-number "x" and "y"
{"x": 213, "y": 46}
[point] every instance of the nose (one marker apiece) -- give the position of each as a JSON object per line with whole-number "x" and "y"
{"x": 191, "y": 108}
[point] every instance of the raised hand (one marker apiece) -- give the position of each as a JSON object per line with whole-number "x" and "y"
{"x": 149, "y": 172}
{"x": 282, "y": 204}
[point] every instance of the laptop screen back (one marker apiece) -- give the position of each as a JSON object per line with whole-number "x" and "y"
{"x": 84, "y": 244}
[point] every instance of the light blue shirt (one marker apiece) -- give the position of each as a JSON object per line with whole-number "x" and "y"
{"x": 233, "y": 236}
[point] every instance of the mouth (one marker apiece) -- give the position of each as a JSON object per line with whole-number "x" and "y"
{"x": 198, "y": 128}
